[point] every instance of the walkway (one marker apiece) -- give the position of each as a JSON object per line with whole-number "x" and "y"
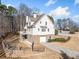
{"x": 58, "y": 49}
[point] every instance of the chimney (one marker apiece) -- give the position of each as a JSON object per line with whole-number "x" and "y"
{"x": 34, "y": 15}
{"x": 27, "y": 19}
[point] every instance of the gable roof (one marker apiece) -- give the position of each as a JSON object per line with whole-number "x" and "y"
{"x": 51, "y": 18}
{"x": 39, "y": 18}
{"x": 35, "y": 19}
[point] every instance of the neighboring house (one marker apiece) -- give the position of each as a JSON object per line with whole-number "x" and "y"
{"x": 39, "y": 28}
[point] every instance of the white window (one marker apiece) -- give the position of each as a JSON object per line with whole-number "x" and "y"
{"x": 43, "y": 29}
{"x": 38, "y": 29}
{"x": 48, "y": 29}
{"x": 45, "y": 23}
{"x": 40, "y": 22}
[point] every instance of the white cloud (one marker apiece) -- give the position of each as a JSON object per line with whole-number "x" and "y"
{"x": 76, "y": 1}
{"x": 50, "y": 2}
{"x": 60, "y": 11}
{"x": 76, "y": 17}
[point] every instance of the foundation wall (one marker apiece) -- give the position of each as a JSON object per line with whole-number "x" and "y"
{"x": 36, "y": 38}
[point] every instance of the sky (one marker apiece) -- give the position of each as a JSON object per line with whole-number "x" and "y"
{"x": 57, "y": 8}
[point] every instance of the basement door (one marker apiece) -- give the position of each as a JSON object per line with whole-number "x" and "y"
{"x": 42, "y": 39}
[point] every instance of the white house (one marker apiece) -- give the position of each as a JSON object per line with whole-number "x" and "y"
{"x": 39, "y": 28}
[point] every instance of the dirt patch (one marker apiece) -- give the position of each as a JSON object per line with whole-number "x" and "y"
{"x": 71, "y": 44}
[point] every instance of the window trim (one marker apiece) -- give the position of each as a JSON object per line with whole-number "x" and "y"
{"x": 46, "y": 23}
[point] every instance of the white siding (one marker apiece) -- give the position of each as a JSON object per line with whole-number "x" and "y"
{"x": 29, "y": 31}
{"x": 49, "y": 25}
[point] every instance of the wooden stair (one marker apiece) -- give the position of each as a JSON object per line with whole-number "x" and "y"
{"x": 2, "y": 53}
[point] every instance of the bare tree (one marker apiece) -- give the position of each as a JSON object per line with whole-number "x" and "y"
{"x": 23, "y": 12}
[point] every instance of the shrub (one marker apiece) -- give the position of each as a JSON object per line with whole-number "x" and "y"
{"x": 50, "y": 40}
{"x": 56, "y": 40}
{"x": 56, "y": 32}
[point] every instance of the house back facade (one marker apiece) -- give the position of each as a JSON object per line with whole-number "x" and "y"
{"x": 39, "y": 28}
